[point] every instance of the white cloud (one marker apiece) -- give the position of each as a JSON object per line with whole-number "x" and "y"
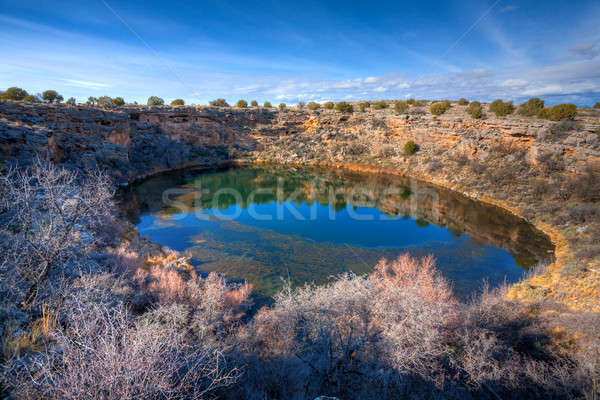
{"x": 85, "y": 84}
{"x": 371, "y": 79}
{"x": 513, "y": 83}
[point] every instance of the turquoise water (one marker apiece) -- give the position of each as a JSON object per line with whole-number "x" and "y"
{"x": 265, "y": 224}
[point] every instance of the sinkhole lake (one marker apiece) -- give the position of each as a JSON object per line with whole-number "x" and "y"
{"x": 265, "y": 224}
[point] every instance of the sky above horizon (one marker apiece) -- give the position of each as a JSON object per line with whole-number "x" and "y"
{"x": 304, "y": 50}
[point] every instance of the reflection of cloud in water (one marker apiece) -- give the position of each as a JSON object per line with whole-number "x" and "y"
{"x": 158, "y": 223}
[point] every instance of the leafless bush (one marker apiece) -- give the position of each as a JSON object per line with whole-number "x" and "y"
{"x": 360, "y": 334}
{"x": 50, "y": 218}
{"x": 217, "y": 305}
{"x": 105, "y": 353}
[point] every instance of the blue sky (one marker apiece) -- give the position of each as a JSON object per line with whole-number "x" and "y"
{"x": 301, "y": 50}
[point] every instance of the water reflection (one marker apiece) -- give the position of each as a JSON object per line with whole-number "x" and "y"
{"x": 265, "y": 223}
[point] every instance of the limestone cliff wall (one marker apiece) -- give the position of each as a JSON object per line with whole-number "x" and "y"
{"x": 133, "y": 142}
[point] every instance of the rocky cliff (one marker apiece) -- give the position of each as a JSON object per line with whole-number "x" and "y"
{"x": 133, "y": 142}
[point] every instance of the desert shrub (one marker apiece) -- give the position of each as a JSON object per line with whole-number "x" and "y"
{"x": 241, "y": 104}
{"x": 215, "y": 306}
{"x": 597, "y": 105}
{"x": 282, "y": 106}
{"x": 438, "y": 108}
{"x": 118, "y": 102}
{"x": 410, "y": 148}
{"x": 267, "y": 104}
{"x": 582, "y": 213}
{"x": 501, "y": 108}
{"x": 106, "y": 353}
{"x": 220, "y": 102}
{"x": 379, "y": 105}
{"x": 401, "y": 107}
{"x": 475, "y": 109}
{"x": 13, "y": 93}
{"x": 178, "y": 102}
{"x": 586, "y": 186}
{"x": 155, "y": 101}
{"x": 104, "y": 101}
{"x": 463, "y": 102}
{"x": 313, "y": 106}
{"x": 300, "y": 105}
{"x": 355, "y": 334}
{"x": 531, "y": 107}
{"x": 344, "y": 107}
{"x": 559, "y": 112}
{"x": 51, "y": 220}
{"x": 91, "y": 101}
{"x": 254, "y": 103}
{"x": 420, "y": 103}
{"x": 31, "y": 99}
{"x": 328, "y": 105}
{"x": 71, "y": 101}
{"x": 51, "y": 96}
{"x": 411, "y": 102}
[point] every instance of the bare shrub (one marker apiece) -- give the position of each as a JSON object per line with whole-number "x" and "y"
{"x": 413, "y": 308}
{"x": 216, "y": 305}
{"x": 50, "y": 218}
{"x": 360, "y": 334}
{"x": 105, "y": 353}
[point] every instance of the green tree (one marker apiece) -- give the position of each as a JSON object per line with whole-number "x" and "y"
{"x": 118, "y": 102}
{"x": 380, "y": 105}
{"x": 51, "y": 96}
{"x": 155, "y": 101}
{"x": 531, "y": 107}
{"x": 344, "y": 107}
{"x": 241, "y": 104}
{"x": 105, "y": 101}
{"x": 439, "y": 107}
{"x": 92, "y": 101}
{"x": 313, "y": 106}
{"x": 300, "y": 105}
{"x": 267, "y": 104}
{"x": 410, "y": 148}
{"x": 14, "y": 93}
{"x": 559, "y": 112}
{"x": 329, "y": 105}
{"x": 178, "y": 102}
{"x": 254, "y": 103}
{"x": 463, "y": 102}
{"x": 501, "y": 108}
{"x": 401, "y": 107}
{"x": 71, "y": 101}
{"x": 282, "y": 106}
{"x": 475, "y": 110}
{"x": 597, "y": 105}
{"x": 220, "y": 102}
{"x": 31, "y": 99}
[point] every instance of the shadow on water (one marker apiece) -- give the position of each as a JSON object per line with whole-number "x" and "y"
{"x": 264, "y": 224}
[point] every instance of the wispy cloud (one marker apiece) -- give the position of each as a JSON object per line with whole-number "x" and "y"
{"x": 85, "y": 84}
{"x": 587, "y": 51}
{"x": 508, "y": 8}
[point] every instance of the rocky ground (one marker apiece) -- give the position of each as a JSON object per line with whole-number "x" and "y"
{"x": 547, "y": 172}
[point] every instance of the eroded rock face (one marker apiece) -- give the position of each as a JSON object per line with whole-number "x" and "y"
{"x": 133, "y": 142}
